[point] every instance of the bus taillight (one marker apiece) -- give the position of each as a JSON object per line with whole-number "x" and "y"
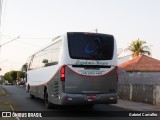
{"x": 62, "y": 74}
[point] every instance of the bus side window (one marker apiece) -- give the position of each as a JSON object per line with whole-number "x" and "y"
{"x": 46, "y": 57}
{"x": 29, "y": 61}
{"x": 51, "y": 54}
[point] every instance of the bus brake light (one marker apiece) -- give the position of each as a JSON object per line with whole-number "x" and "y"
{"x": 62, "y": 74}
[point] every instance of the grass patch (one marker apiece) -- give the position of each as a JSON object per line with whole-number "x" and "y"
{"x": 5, "y": 106}
{"x": 2, "y": 93}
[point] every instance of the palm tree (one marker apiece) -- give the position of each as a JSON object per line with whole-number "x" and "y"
{"x": 137, "y": 48}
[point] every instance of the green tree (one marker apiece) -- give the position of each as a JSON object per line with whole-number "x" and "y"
{"x": 7, "y": 77}
{"x": 13, "y": 75}
{"x": 138, "y": 47}
{"x": 20, "y": 74}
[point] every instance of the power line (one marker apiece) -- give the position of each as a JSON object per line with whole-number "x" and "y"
{"x": 36, "y": 38}
{"x": 3, "y": 61}
{"x": 6, "y": 36}
{"x": 10, "y": 41}
{"x": 10, "y": 37}
{"x": 29, "y": 43}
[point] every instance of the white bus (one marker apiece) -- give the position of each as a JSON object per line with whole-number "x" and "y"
{"x": 77, "y": 68}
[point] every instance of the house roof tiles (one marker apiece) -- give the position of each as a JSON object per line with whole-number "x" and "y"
{"x": 142, "y": 63}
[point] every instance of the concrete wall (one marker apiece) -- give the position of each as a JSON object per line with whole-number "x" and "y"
{"x": 139, "y": 87}
{"x": 157, "y": 95}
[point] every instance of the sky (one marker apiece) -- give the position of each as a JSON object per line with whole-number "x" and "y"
{"x": 37, "y": 22}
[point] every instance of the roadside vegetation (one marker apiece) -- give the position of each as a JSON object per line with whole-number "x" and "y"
{"x": 5, "y": 106}
{"x": 138, "y": 47}
{"x": 2, "y": 80}
{"x": 2, "y": 93}
{"x": 12, "y": 76}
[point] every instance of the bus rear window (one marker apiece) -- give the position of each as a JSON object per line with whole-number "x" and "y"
{"x": 90, "y": 46}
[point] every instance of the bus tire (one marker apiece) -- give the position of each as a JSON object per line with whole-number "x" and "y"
{"x": 31, "y": 96}
{"x": 27, "y": 89}
{"x": 47, "y": 103}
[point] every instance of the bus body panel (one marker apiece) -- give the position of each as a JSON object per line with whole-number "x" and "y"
{"x": 77, "y": 83}
{"x": 64, "y": 93}
{"x": 86, "y": 81}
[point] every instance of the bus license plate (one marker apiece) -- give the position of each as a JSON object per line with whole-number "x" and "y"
{"x": 91, "y": 97}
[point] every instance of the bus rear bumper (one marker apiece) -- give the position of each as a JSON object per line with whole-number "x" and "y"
{"x": 82, "y": 99}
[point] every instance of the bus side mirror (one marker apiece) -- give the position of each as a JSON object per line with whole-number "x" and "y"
{"x": 25, "y": 67}
{"x": 45, "y": 61}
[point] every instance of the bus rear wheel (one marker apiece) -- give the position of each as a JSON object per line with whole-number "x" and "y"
{"x": 31, "y": 96}
{"x": 46, "y": 101}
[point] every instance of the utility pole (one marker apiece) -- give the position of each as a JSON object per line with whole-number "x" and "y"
{"x": 1, "y": 2}
{"x": 0, "y": 17}
{"x": 0, "y": 21}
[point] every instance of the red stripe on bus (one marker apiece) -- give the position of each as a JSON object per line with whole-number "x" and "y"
{"x": 90, "y": 75}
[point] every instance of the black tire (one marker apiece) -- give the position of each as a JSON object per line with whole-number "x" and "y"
{"x": 27, "y": 89}
{"x": 31, "y": 96}
{"x": 47, "y": 103}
